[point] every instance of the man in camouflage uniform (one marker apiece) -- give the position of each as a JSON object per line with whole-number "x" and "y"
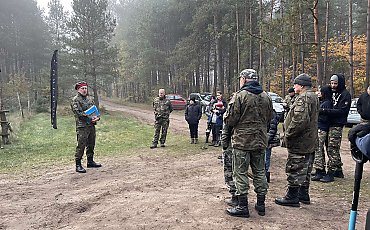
{"x": 85, "y": 127}
{"x": 301, "y": 140}
{"x": 162, "y": 109}
{"x": 289, "y": 100}
{"x": 228, "y": 162}
{"x": 338, "y": 118}
{"x": 249, "y": 113}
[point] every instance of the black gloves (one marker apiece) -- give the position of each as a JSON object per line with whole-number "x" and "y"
{"x": 359, "y": 130}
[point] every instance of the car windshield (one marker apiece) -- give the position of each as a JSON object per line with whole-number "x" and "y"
{"x": 174, "y": 97}
{"x": 276, "y": 99}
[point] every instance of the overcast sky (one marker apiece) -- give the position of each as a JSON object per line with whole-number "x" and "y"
{"x": 44, "y": 4}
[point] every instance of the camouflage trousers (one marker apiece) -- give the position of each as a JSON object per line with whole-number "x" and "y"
{"x": 160, "y": 124}
{"x": 241, "y": 161}
{"x": 228, "y": 170}
{"x": 322, "y": 143}
{"x": 334, "y": 141}
{"x": 85, "y": 139}
{"x": 298, "y": 169}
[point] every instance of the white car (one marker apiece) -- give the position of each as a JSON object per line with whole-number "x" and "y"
{"x": 353, "y": 117}
{"x": 277, "y": 104}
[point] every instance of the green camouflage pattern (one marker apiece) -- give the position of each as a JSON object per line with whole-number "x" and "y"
{"x": 85, "y": 139}
{"x": 161, "y": 124}
{"x": 241, "y": 161}
{"x": 228, "y": 159}
{"x": 249, "y": 114}
{"x": 80, "y": 104}
{"x": 320, "y": 162}
{"x": 301, "y": 124}
{"x": 298, "y": 169}
{"x": 162, "y": 110}
{"x": 288, "y": 103}
{"x": 334, "y": 142}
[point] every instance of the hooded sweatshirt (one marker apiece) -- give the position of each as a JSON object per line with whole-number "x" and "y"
{"x": 341, "y": 104}
{"x": 325, "y": 103}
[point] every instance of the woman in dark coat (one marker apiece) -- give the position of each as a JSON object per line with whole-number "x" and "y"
{"x": 193, "y": 113}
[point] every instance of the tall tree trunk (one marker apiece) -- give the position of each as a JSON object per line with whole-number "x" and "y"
{"x": 237, "y": 39}
{"x": 302, "y": 40}
{"x": 250, "y": 37}
{"x": 325, "y": 80}
{"x": 260, "y": 71}
{"x": 283, "y": 52}
{"x": 351, "y": 90}
{"x": 315, "y": 14}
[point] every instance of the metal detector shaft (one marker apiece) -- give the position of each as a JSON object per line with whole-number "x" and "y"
{"x": 356, "y": 192}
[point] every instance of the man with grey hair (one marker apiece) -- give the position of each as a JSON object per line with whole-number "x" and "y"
{"x": 249, "y": 114}
{"x": 162, "y": 109}
{"x": 338, "y": 118}
{"x": 301, "y": 139}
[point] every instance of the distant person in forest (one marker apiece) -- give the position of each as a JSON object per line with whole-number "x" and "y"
{"x": 218, "y": 108}
{"x": 301, "y": 140}
{"x": 341, "y": 100}
{"x": 162, "y": 109}
{"x": 273, "y": 140}
{"x": 289, "y": 100}
{"x": 193, "y": 113}
{"x": 249, "y": 114}
{"x": 85, "y": 127}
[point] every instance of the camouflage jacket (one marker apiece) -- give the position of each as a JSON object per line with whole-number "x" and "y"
{"x": 249, "y": 113}
{"x": 79, "y": 105}
{"x": 301, "y": 124}
{"x": 162, "y": 108}
{"x": 288, "y": 102}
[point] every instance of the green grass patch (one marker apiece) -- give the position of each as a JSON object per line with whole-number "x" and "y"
{"x": 37, "y": 144}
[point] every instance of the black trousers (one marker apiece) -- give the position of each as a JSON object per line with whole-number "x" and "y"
{"x": 216, "y": 132}
{"x": 193, "y": 130}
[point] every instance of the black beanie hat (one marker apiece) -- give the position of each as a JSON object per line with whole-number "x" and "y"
{"x": 303, "y": 79}
{"x": 291, "y": 90}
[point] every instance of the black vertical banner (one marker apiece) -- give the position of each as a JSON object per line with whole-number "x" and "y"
{"x": 54, "y": 89}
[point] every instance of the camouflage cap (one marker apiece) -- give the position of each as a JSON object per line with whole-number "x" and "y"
{"x": 249, "y": 74}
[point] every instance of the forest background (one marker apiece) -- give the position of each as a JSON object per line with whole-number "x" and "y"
{"x": 130, "y": 48}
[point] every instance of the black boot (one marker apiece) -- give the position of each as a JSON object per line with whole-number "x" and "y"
{"x": 318, "y": 175}
{"x": 290, "y": 199}
{"x": 338, "y": 173}
{"x": 154, "y": 145}
{"x": 303, "y": 194}
{"x": 260, "y": 205}
{"x": 233, "y": 201}
{"x": 79, "y": 167}
{"x": 192, "y": 141}
{"x": 268, "y": 177}
{"x": 91, "y": 163}
{"x": 195, "y": 140}
{"x": 328, "y": 178}
{"x": 242, "y": 209}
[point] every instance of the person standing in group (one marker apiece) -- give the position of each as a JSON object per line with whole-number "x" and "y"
{"x": 193, "y": 113}
{"x": 162, "y": 109}
{"x": 338, "y": 118}
{"x": 215, "y": 118}
{"x": 249, "y": 113}
{"x": 363, "y": 105}
{"x": 85, "y": 127}
{"x": 289, "y": 100}
{"x": 273, "y": 141}
{"x": 325, "y": 96}
{"x": 301, "y": 140}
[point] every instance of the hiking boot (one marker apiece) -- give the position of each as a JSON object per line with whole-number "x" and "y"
{"x": 217, "y": 144}
{"x": 303, "y": 195}
{"x": 79, "y": 167}
{"x": 163, "y": 145}
{"x": 338, "y": 174}
{"x": 260, "y": 205}
{"x": 290, "y": 199}
{"x": 212, "y": 143}
{"x": 195, "y": 140}
{"x": 328, "y": 178}
{"x": 233, "y": 201}
{"x": 319, "y": 175}
{"x": 153, "y": 146}
{"x": 192, "y": 141}
{"x": 91, "y": 163}
{"x": 241, "y": 210}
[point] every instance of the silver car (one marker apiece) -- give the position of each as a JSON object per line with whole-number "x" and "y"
{"x": 354, "y": 117}
{"x": 277, "y": 104}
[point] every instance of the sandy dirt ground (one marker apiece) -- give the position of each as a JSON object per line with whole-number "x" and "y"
{"x": 153, "y": 190}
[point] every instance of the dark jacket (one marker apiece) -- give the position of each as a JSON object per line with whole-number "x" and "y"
{"x": 363, "y": 106}
{"x": 301, "y": 124}
{"x": 341, "y": 104}
{"x": 193, "y": 113}
{"x": 273, "y": 127}
{"x": 325, "y": 103}
{"x": 218, "y": 114}
{"x": 249, "y": 113}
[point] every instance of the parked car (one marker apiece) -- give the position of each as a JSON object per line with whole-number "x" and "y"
{"x": 353, "y": 117}
{"x": 202, "y": 99}
{"x": 277, "y": 104}
{"x": 178, "y": 102}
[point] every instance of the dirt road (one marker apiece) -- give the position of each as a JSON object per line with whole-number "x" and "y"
{"x": 158, "y": 191}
